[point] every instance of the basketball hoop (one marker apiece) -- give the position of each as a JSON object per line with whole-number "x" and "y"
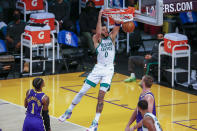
{"x": 122, "y": 15}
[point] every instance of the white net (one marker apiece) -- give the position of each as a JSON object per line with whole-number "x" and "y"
{"x": 122, "y": 15}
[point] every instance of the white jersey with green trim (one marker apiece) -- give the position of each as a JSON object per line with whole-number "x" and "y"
{"x": 156, "y": 122}
{"x": 105, "y": 52}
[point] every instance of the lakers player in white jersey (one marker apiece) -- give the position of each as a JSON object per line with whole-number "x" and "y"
{"x": 102, "y": 72}
{"x": 149, "y": 122}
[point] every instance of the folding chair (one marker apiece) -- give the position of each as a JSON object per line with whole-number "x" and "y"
{"x": 70, "y": 51}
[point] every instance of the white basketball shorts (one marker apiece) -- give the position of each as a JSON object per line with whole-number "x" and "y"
{"x": 101, "y": 73}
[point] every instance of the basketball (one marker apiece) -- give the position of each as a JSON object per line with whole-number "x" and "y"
{"x": 128, "y": 27}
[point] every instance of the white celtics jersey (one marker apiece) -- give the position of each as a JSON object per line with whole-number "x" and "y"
{"x": 105, "y": 52}
{"x": 156, "y": 122}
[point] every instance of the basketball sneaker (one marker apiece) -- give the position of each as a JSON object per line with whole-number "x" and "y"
{"x": 93, "y": 126}
{"x": 130, "y": 79}
{"x": 65, "y": 116}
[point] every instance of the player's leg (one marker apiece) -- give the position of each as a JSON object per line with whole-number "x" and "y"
{"x": 100, "y": 104}
{"x": 75, "y": 101}
{"x": 104, "y": 87}
{"x": 99, "y": 109}
{"x": 91, "y": 81}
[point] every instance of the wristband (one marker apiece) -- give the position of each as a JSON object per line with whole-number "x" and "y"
{"x": 117, "y": 24}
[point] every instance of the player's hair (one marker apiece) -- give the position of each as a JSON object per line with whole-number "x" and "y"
{"x": 37, "y": 82}
{"x": 148, "y": 80}
{"x": 143, "y": 104}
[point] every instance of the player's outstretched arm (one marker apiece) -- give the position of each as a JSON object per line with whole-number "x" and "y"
{"x": 132, "y": 119}
{"x": 99, "y": 25}
{"x": 95, "y": 39}
{"x": 149, "y": 123}
{"x": 25, "y": 102}
{"x": 115, "y": 31}
{"x": 45, "y": 113}
{"x": 97, "y": 36}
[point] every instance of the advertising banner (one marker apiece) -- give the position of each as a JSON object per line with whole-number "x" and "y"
{"x": 173, "y": 6}
{"x": 176, "y": 6}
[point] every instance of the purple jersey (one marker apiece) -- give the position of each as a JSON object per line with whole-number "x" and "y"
{"x": 33, "y": 120}
{"x": 139, "y": 115}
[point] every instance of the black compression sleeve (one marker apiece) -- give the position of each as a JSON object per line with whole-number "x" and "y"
{"x": 46, "y": 119}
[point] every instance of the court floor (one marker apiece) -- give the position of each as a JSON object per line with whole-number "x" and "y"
{"x": 176, "y": 110}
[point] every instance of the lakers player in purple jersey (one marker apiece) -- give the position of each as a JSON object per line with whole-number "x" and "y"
{"x": 36, "y": 102}
{"x": 147, "y": 95}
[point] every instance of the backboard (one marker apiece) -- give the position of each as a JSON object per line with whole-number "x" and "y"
{"x": 149, "y": 12}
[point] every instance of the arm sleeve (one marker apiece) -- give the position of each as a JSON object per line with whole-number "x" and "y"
{"x": 46, "y": 118}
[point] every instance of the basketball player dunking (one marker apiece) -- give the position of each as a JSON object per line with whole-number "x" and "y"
{"x": 37, "y": 104}
{"x": 103, "y": 71}
{"x": 147, "y": 95}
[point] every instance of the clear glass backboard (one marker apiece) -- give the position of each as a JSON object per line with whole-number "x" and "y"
{"x": 149, "y": 12}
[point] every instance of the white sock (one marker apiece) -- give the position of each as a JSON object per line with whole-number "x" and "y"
{"x": 71, "y": 107}
{"x": 97, "y": 117}
{"x": 133, "y": 75}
